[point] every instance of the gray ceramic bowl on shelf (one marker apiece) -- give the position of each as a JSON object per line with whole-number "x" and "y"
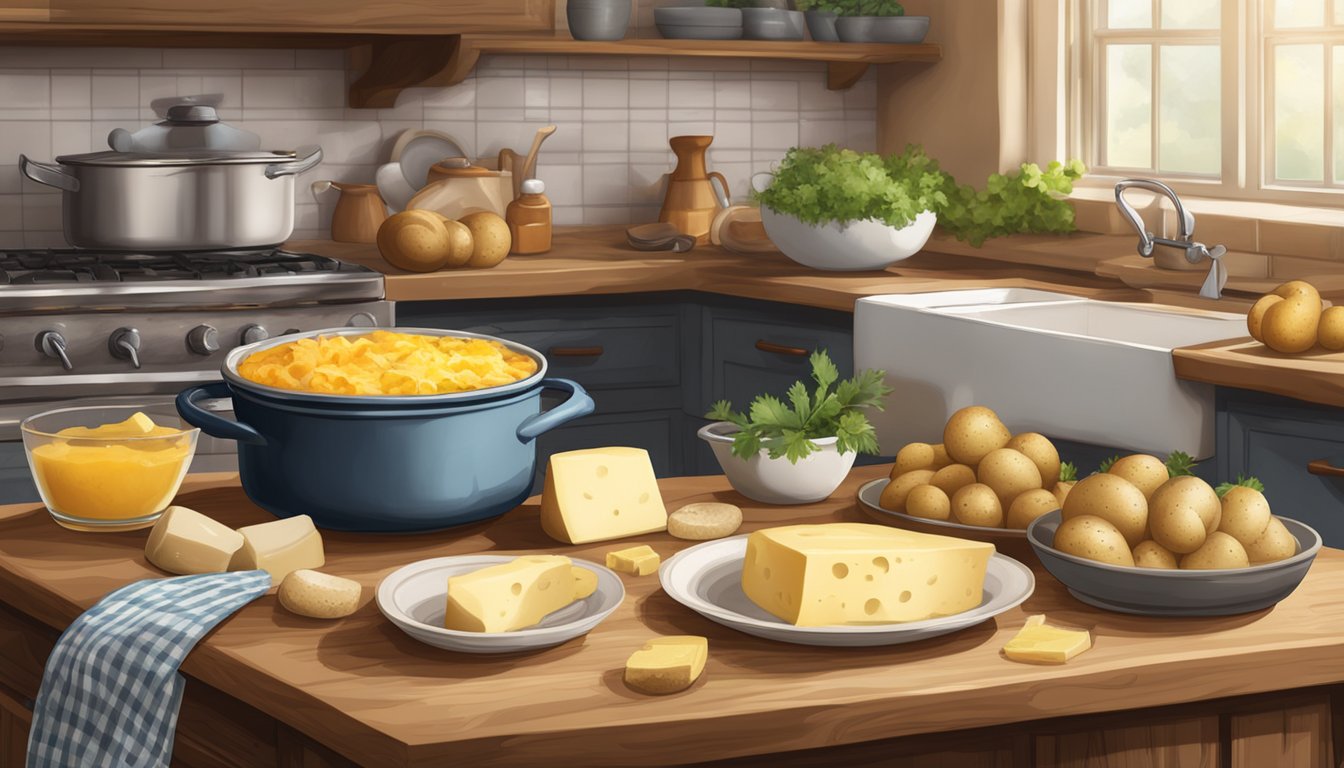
{"x": 698, "y": 23}
{"x": 1159, "y": 592}
{"x": 821, "y": 25}
{"x": 772, "y": 24}
{"x": 906, "y": 30}
{"x": 598, "y": 19}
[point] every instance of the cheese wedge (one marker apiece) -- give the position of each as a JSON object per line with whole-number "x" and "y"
{"x": 855, "y": 573}
{"x": 509, "y": 596}
{"x": 585, "y": 582}
{"x": 636, "y": 561}
{"x": 280, "y": 547}
{"x": 601, "y": 494}
{"x": 667, "y": 664}
{"x": 184, "y": 541}
{"x": 1040, "y": 643}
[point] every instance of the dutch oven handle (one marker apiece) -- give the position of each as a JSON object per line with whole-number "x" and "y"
{"x": 578, "y": 404}
{"x": 48, "y": 174}
{"x": 304, "y": 159}
{"x": 209, "y": 423}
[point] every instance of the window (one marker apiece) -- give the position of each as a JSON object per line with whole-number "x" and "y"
{"x": 1230, "y": 98}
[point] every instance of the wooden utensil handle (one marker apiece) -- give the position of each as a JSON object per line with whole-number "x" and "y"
{"x": 1324, "y": 468}
{"x": 575, "y": 351}
{"x": 780, "y": 349}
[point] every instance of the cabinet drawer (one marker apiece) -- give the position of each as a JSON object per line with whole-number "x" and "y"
{"x": 747, "y": 357}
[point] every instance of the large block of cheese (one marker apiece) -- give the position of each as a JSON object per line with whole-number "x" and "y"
{"x": 185, "y": 541}
{"x": 601, "y": 494}
{"x": 854, "y": 573}
{"x": 509, "y": 596}
{"x": 667, "y": 664}
{"x": 280, "y": 547}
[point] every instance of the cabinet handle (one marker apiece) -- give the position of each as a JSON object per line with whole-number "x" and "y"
{"x": 1324, "y": 468}
{"x": 575, "y": 351}
{"x": 780, "y": 349}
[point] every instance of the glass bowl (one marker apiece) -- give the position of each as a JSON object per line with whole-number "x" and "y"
{"x": 117, "y": 479}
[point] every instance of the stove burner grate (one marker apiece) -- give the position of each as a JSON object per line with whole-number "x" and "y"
{"x": 64, "y": 266}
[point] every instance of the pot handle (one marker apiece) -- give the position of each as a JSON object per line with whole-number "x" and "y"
{"x": 578, "y": 404}
{"x": 209, "y": 423}
{"x": 304, "y": 159}
{"x": 48, "y": 174}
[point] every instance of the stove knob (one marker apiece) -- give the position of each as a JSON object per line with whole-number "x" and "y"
{"x": 203, "y": 340}
{"x": 52, "y": 344}
{"x": 361, "y": 320}
{"x": 254, "y": 333}
{"x": 124, "y": 344}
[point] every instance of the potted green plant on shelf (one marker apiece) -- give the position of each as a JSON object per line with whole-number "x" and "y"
{"x": 876, "y": 21}
{"x": 766, "y": 19}
{"x": 821, "y": 16}
{"x": 799, "y": 451}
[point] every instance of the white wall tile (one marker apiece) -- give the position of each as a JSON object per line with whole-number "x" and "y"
{"x": 287, "y": 89}
{"x": 500, "y": 92}
{"x": 606, "y": 92}
{"x": 606, "y": 137}
{"x": 11, "y": 213}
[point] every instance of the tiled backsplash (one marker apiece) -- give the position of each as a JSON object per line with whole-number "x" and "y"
{"x": 604, "y": 165}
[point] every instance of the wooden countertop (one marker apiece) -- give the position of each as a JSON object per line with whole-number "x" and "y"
{"x": 364, "y": 689}
{"x": 1316, "y": 376}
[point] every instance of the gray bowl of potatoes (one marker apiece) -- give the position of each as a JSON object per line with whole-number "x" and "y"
{"x": 1175, "y": 592}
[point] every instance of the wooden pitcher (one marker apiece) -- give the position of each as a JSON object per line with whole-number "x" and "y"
{"x": 691, "y": 202}
{"x": 359, "y": 211}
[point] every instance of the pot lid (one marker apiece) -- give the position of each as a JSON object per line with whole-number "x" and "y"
{"x": 192, "y": 157}
{"x": 190, "y": 123}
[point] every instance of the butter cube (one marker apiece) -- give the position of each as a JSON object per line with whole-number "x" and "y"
{"x": 601, "y": 494}
{"x": 184, "y": 541}
{"x": 509, "y": 596}
{"x": 636, "y": 561}
{"x": 1040, "y": 643}
{"x": 856, "y": 573}
{"x": 280, "y": 547}
{"x": 667, "y": 664}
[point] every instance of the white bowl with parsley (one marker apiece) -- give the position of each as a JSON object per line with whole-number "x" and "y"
{"x": 798, "y": 449}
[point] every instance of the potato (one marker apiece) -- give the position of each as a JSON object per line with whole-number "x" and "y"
{"x": 1182, "y": 513}
{"x": 1146, "y": 472}
{"x": 1061, "y": 490}
{"x": 1298, "y": 289}
{"x": 415, "y": 241}
{"x": 1245, "y": 514}
{"x": 1218, "y": 551}
{"x": 319, "y": 595}
{"x": 460, "y": 242}
{"x": 972, "y": 433}
{"x": 1113, "y": 499}
{"x": 491, "y": 240}
{"x": 914, "y": 456}
{"x": 1330, "y": 330}
{"x": 1093, "y": 538}
{"x": 1010, "y": 473}
{"x": 1028, "y": 506}
{"x": 1150, "y": 554}
{"x": 977, "y": 504}
{"x": 940, "y": 457}
{"x": 1255, "y": 319}
{"x": 1276, "y": 543}
{"x": 1042, "y": 453}
{"x": 953, "y": 478}
{"x": 928, "y": 501}
{"x": 894, "y": 495}
{"x": 1290, "y": 325}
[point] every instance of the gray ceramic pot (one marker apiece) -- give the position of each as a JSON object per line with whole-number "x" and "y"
{"x": 821, "y": 25}
{"x": 598, "y": 19}
{"x": 772, "y": 24}
{"x": 882, "y": 29}
{"x": 698, "y": 23}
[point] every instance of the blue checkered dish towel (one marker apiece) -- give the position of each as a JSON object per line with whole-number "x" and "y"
{"x": 111, "y": 690}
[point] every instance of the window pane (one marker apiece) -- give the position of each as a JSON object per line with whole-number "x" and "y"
{"x": 1190, "y": 135}
{"x": 1129, "y": 106}
{"x": 1339, "y": 12}
{"x": 1191, "y": 14}
{"x": 1299, "y": 13}
{"x": 1130, "y": 14}
{"x": 1339, "y": 106}
{"x": 1299, "y": 112}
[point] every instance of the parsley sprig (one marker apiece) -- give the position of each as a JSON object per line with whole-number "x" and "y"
{"x": 788, "y": 429}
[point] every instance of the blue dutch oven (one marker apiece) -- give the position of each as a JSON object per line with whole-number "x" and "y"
{"x": 386, "y": 464}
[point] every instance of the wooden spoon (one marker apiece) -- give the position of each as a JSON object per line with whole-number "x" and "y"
{"x": 530, "y": 164}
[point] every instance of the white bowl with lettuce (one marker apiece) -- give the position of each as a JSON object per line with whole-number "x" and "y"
{"x": 797, "y": 450}
{"x": 837, "y": 209}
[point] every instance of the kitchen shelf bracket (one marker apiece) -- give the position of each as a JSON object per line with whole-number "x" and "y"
{"x": 391, "y": 66}
{"x": 842, "y": 75}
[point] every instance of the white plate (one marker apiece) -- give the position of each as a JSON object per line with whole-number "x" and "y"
{"x": 707, "y": 578}
{"x": 414, "y": 598}
{"x": 870, "y": 496}
{"x": 418, "y": 150}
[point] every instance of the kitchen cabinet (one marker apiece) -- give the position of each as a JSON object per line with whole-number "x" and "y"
{"x": 1275, "y": 439}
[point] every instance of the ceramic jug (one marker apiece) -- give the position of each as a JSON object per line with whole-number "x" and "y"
{"x": 360, "y": 210}
{"x": 692, "y": 202}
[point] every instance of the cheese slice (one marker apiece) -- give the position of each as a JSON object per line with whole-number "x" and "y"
{"x": 855, "y": 573}
{"x": 280, "y": 547}
{"x": 636, "y": 561}
{"x": 667, "y": 664}
{"x": 1040, "y": 643}
{"x": 184, "y": 541}
{"x": 585, "y": 582}
{"x": 509, "y": 596}
{"x": 601, "y": 494}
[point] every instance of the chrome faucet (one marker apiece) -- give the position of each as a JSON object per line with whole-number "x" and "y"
{"x": 1194, "y": 252}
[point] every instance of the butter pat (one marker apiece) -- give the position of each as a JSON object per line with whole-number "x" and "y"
{"x": 855, "y": 573}
{"x": 184, "y": 541}
{"x": 667, "y": 664}
{"x": 1040, "y": 643}
{"x": 585, "y": 582}
{"x": 280, "y": 547}
{"x": 636, "y": 561}
{"x": 601, "y": 494}
{"x": 509, "y": 596}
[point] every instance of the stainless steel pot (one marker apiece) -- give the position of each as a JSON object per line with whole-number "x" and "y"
{"x": 191, "y": 200}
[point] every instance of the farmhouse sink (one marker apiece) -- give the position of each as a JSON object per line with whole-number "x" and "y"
{"x": 1072, "y": 368}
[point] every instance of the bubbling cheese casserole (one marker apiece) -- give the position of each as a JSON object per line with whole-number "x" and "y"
{"x": 387, "y": 363}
